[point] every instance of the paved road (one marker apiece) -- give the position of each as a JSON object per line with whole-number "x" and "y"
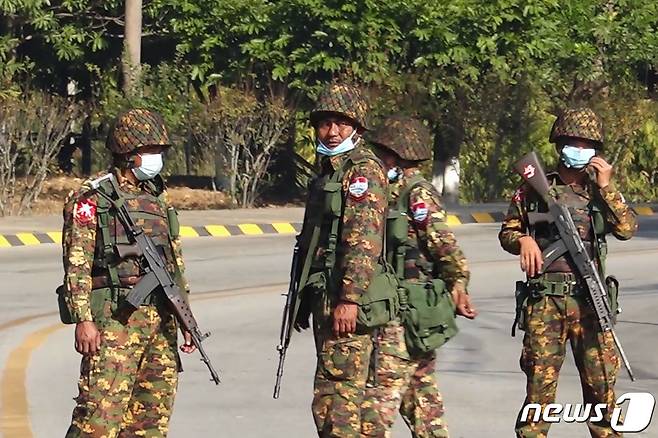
{"x": 237, "y": 284}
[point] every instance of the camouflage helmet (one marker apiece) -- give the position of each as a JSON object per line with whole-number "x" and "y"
{"x": 407, "y": 137}
{"x": 579, "y": 123}
{"x": 343, "y": 99}
{"x": 137, "y": 128}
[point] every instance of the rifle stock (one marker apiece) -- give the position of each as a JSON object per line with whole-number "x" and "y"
{"x": 531, "y": 170}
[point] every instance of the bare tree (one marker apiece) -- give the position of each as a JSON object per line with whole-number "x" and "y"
{"x": 243, "y": 136}
{"x": 31, "y": 133}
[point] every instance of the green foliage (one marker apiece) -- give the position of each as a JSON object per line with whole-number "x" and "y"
{"x": 488, "y": 77}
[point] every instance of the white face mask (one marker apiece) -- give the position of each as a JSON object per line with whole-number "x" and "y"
{"x": 346, "y": 145}
{"x": 150, "y": 168}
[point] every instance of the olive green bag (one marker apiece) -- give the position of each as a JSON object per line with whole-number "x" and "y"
{"x": 427, "y": 309}
{"x": 64, "y": 310}
{"x": 428, "y": 317}
{"x": 381, "y": 302}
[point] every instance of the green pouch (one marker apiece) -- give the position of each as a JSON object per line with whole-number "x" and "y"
{"x": 397, "y": 228}
{"x": 381, "y": 303}
{"x": 64, "y": 310}
{"x": 174, "y": 223}
{"x": 612, "y": 285}
{"x": 333, "y": 198}
{"x": 100, "y": 304}
{"x": 429, "y": 319}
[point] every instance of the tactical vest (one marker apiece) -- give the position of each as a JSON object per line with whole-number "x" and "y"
{"x": 149, "y": 211}
{"x": 588, "y": 217}
{"x": 111, "y": 274}
{"x": 320, "y": 242}
{"x": 427, "y": 309}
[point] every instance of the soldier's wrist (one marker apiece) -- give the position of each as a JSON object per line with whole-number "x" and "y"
{"x": 459, "y": 286}
{"x": 83, "y": 315}
{"x": 608, "y": 189}
{"x": 83, "y": 322}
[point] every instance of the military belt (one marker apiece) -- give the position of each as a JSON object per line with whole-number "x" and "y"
{"x": 561, "y": 284}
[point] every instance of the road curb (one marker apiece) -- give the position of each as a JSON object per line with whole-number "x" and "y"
{"x": 478, "y": 217}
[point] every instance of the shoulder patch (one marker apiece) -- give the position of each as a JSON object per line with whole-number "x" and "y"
{"x": 84, "y": 211}
{"x": 420, "y": 212}
{"x": 358, "y": 188}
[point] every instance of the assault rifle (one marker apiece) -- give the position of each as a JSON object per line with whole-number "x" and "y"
{"x": 289, "y": 316}
{"x": 531, "y": 169}
{"x": 157, "y": 278}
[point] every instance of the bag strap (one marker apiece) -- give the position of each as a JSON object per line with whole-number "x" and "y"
{"x": 597, "y": 241}
{"x": 107, "y": 243}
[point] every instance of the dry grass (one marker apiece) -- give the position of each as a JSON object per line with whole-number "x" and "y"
{"x": 56, "y": 188}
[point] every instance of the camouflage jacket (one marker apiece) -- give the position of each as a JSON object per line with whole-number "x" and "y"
{"x": 80, "y": 244}
{"x": 620, "y": 220}
{"x": 428, "y": 229}
{"x": 361, "y": 228}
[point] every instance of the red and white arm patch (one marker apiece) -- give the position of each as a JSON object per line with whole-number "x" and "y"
{"x": 420, "y": 211}
{"x": 84, "y": 211}
{"x": 358, "y": 188}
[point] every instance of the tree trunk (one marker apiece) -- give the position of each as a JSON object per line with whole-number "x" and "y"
{"x": 449, "y": 135}
{"x": 85, "y": 146}
{"x": 445, "y": 178}
{"x": 132, "y": 46}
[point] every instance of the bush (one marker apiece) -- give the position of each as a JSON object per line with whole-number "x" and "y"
{"x": 33, "y": 128}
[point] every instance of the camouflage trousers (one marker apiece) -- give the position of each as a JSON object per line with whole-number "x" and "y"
{"x": 405, "y": 384}
{"x": 340, "y": 378}
{"x": 127, "y": 388}
{"x": 551, "y": 321}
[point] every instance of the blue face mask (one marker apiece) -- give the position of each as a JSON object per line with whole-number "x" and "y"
{"x": 393, "y": 174}
{"x": 576, "y": 158}
{"x": 345, "y": 146}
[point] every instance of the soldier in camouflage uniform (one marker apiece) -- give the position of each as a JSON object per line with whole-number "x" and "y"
{"x": 342, "y": 240}
{"x": 130, "y": 363}
{"x": 405, "y": 381}
{"x": 555, "y": 310}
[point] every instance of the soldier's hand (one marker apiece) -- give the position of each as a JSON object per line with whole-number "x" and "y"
{"x": 464, "y": 306}
{"x": 188, "y": 347}
{"x": 345, "y": 318}
{"x": 603, "y": 171}
{"x": 531, "y": 257}
{"x": 87, "y": 338}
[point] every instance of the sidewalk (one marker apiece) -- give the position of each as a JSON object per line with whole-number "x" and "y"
{"x": 36, "y": 230}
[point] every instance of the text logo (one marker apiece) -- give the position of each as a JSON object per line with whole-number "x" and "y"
{"x": 638, "y": 414}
